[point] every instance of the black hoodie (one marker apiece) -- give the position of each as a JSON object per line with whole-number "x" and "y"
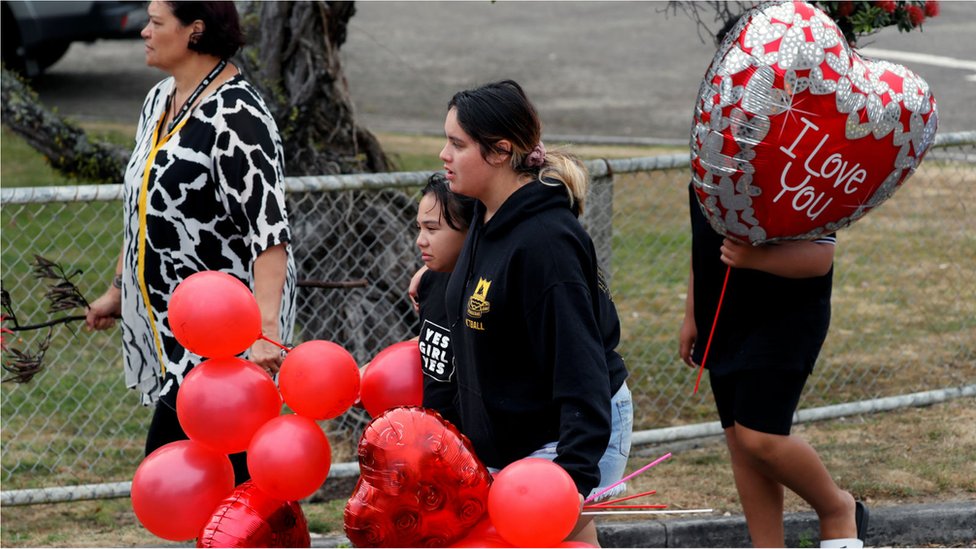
{"x": 534, "y": 332}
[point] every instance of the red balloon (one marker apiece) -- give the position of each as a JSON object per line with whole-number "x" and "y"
{"x": 533, "y": 503}
{"x": 421, "y": 484}
{"x": 574, "y": 544}
{"x": 252, "y": 518}
{"x": 483, "y": 534}
{"x": 222, "y": 402}
{"x": 213, "y": 314}
{"x": 319, "y": 380}
{"x": 393, "y": 378}
{"x": 289, "y": 457}
{"x": 177, "y": 487}
{"x": 795, "y": 135}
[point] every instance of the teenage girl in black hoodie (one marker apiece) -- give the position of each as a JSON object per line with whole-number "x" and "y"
{"x": 532, "y": 323}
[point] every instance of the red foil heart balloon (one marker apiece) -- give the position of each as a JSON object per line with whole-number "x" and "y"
{"x": 251, "y": 518}
{"x": 421, "y": 484}
{"x": 795, "y": 135}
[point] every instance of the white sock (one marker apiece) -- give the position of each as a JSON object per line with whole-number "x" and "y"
{"x": 852, "y": 543}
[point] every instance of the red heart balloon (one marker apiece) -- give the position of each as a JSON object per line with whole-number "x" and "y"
{"x": 421, "y": 484}
{"x": 795, "y": 135}
{"x": 252, "y": 518}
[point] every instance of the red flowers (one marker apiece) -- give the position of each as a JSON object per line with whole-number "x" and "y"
{"x": 931, "y": 8}
{"x": 915, "y": 15}
{"x": 887, "y": 6}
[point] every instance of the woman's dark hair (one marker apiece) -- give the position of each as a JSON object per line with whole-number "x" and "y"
{"x": 457, "y": 210}
{"x": 497, "y": 111}
{"x": 222, "y": 35}
{"x": 501, "y": 110}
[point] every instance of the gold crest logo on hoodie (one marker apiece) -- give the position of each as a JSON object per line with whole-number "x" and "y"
{"x": 478, "y": 304}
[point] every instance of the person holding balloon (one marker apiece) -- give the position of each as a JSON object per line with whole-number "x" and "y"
{"x": 759, "y": 290}
{"x": 532, "y": 322}
{"x": 203, "y": 191}
{"x": 443, "y": 219}
{"x": 772, "y": 324}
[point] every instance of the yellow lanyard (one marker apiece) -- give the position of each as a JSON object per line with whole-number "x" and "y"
{"x": 141, "y": 265}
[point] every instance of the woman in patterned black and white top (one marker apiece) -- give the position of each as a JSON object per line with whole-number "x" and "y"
{"x": 204, "y": 190}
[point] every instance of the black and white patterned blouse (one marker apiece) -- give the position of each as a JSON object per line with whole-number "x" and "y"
{"x": 207, "y": 196}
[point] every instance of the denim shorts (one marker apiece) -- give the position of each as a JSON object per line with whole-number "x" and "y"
{"x": 614, "y": 460}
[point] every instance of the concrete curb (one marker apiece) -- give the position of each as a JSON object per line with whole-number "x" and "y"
{"x": 939, "y": 524}
{"x": 908, "y": 525}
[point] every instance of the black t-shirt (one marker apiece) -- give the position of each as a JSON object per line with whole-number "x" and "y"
{"x": 436, "y": 352}
{"x": 766, "y": 322}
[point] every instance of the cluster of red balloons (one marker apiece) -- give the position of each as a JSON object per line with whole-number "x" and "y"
{"x": 228, "y": 405}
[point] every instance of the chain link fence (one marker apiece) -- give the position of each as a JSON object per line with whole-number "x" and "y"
{"x": 904, "y": 301}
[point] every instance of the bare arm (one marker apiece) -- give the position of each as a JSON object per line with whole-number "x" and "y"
{"x": 270, "y": 269}
{"x": 101, "y": 313}
{"x": 793, "y": 259}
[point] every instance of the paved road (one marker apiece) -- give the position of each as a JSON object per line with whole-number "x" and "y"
{"x": 597, "y": 68}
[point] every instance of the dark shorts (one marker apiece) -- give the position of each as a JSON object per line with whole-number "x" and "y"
{"x": 761, "y": 400}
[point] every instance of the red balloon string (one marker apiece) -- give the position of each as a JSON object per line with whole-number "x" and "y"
{"x": 711, "y": 332}
{"x": 275, "y": 343}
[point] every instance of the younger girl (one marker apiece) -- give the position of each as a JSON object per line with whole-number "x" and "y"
{"x": 442, "y": 223}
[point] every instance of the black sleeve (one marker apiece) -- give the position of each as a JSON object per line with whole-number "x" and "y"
{"x": 566, "y": 337}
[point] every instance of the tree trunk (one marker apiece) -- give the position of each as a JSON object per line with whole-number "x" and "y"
{"x": 292, "y": 57}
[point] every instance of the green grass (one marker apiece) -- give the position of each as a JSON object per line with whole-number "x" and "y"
{"x": 23, "y": 166}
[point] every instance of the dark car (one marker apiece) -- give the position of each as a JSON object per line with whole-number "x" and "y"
{"x": 37, "y": 33}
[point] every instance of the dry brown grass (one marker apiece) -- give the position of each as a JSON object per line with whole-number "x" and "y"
{"x": 917, "y": 455}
